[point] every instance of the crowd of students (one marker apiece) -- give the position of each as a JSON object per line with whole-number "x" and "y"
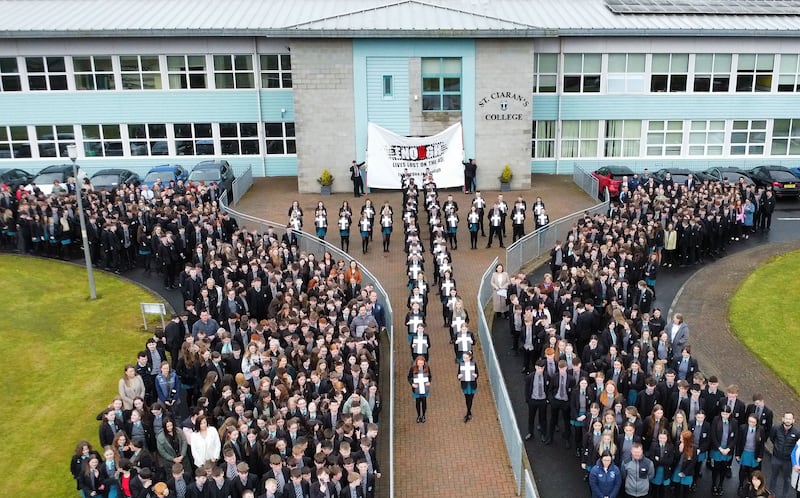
{"x": 608, "y": 371}
{"x": 265, "y": 384}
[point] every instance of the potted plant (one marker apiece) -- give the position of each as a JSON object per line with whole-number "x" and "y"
{"x": 325, "y": 181}
{"x": 505, "y": 178}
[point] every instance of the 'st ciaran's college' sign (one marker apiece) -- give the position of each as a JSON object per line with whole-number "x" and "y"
{"x": 496, "y": 106}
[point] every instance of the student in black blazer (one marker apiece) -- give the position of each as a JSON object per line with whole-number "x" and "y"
{"x": 581, "y": 395}
{"x": 723, "y": 443}
{"x": 764, "y": 414}
{"x": 685, "y": 366}
{"x": 703, "y": 441}
{"x": 297, "y": 487}
{"x": 749, "y": 453}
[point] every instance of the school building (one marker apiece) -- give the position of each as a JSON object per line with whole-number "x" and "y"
{"x": 288, "y": 87}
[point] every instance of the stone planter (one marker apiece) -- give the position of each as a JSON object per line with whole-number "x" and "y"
{"x": 505, "y": 186}
{"x": 325, "y": 189}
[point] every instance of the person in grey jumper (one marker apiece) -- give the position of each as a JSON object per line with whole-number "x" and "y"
{"x": 637, "y": 472}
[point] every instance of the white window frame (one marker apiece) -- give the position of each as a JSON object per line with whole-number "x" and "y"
{"x": 628, "y": 144}
{"x": 195, "y": 138}
{"x": 58, "y": 142}
{"x": 707, "y": 129}
{"x": 717, "y": 71}
{"x": 49, "y": 75}
{"x": 283, "y": 74}
{"x": 584, "y": 73}
{"x": 103, "y": 141}
{"x": 632, "y": 77}
{"x": 543, "y": 139}
{"x": 186, "y": 74}
{"x": 127, "y": 76}
{"x": 7, "y": 76}
{"x": 750, "y": 146}
{"x": 760, "y": 63}
{"x": 672, "y": 73}
{"x": 587, "y": 144}
{"x": 288, "y": 138}
{"x": 659, "y": 133}
{"x": 149, "y": 141}
{"x": 239, "y": 139}
{"x": 793, "y": 135}
{"x": 538, "y": 74}
{"x": 240, "y": 78}
{"x": 788, "y": 72}
{"x": 9, "y": 142}
{"x": 93, "y": 75}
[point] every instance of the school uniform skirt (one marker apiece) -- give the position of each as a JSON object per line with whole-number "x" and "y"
{"x": 661, "y": 477}
{"x": 686, "y": 480}
{"x": 716, "y": 456}
{"x": 469, "y": 387}
{"x": 749, "y": 459}
{"x": 344, "y": 233}
{"x": 321, "y": 232}
{"x": 386, "y": 230}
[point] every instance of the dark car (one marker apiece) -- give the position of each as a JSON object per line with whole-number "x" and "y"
{"x": 728, "y": 173}
{"x": 783, "y": 182}
{"x": 15, "y": 177}
{"x": 45, "y": 178}
{"x": 219, "y": 172}
{"x": 678, "y": 176}
{"x": 610, "y": 177}
{"x": 110, "y": 179}
{"x": 165, "y": 173}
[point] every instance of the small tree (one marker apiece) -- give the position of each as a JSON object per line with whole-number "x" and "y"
{"x": 326, "y": 178}
{"x": 506, "y": 175}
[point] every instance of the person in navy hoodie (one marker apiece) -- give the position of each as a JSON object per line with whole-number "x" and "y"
{"x": 605, "y": 478}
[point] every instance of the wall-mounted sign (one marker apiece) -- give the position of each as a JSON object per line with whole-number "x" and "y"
{"x": 504, "y": 106}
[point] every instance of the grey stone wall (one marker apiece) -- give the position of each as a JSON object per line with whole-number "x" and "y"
{"x": 503, "y": 113}
{"x": 322, "y": 80}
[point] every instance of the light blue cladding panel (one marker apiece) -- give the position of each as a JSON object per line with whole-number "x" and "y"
{"x": 130, "y": 107}
{"x": 366, "y": 48}
{"x": 668, "y": 106}
{"x": 390, "y": 111}
{"x": 277, "y": 105}
{"x": 282, "y": 166}
{"x": 566, "y": 166}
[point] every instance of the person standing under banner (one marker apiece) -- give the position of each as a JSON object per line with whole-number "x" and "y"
{"x": 358, "y": 181}
{"x": 470, "y": 171}
{"x": 468, "y": 375}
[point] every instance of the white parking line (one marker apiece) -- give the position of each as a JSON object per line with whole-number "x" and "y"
{"x": 789, "y": 219}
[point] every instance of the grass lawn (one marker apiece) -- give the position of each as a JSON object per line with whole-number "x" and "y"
{"x": 63, "y": 358}
{"x": 763, "y": 315}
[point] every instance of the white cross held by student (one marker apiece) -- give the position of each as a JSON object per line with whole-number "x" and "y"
{"x": 420, "y": 344}
{"x": 321, "y": 220}
{"x": 456, "y": 323}
{"x": 414, "y": 270}
{"x": 343, "y": 223}
{"x": 447, "y": 286}
{"x": 413, "y": 322}
{"x": 464, "y": 341}
{"x": 365, "y": 225}
{"x": 496, "y": 219}
{"x": 419, "y": 381}
{"x": 468, "y": 372}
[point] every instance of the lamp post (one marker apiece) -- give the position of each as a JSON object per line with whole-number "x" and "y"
{"x": 72, "y": 151}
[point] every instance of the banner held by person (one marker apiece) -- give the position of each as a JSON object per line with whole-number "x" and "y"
{"x": 389, "y": 155}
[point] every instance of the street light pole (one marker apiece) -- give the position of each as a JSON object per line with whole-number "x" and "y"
{"x": 72, "y": 151}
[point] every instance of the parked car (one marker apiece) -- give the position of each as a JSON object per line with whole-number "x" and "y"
{"x": 110, "y": 179}
{"x": 45, "y": 178}
{"x": 219, "y": 172}
{"x": 679, "y": 176}
{"x": 14, "y": 177}
{"x": 783, "y": 182}
{"x": 165, "y": 173}
{"x": 610, "y": 177}
{"x": 728, "y": 173}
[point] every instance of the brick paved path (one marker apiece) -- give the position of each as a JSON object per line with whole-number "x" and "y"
{"x": 429, "y": 457}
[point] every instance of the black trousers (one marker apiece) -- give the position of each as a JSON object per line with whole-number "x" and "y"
{"x": 537, "y": 407}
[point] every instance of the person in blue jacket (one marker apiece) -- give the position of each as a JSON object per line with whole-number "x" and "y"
{"x": 605, "y": 478}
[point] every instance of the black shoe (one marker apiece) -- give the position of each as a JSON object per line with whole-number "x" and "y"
{"x": 423, "y": 419}
{"x": 466, "y": 418}
{"x": 488, "y": 246}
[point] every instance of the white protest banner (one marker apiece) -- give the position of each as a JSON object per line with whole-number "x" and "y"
{"x": 390, "y": 154}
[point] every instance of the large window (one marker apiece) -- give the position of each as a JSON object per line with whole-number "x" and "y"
{"x": 280, "y": 138}
{"x": 543, "y": 144}
{"x": 239, "y": 138}
{"x": 140, "y": 72}
{"x": 53, "y": 140}
{"x": 93, "y": 72}
{"x": 441, "y": 84}
{"x": 626, "y": 73}
{"x": 14, "y": 142}
{"x": 46, "y": 73}
{"x": 101, "y": 140}
{"x": 623, "y": 138}
{"x": 789, "y": 76}
{"x": 670, "y": 72}
{"x": 786, "y": 137}
{"x": 234, "y": 71}
{"x": 187, "y": 71}
{"x": 712, "y": 72}
{"x": 148, "y": 139}
{"x": 754, "y": 72}
{"x": 664, "y": 138}
{"x": 276, "y": 71}
{"x": 10, "y": 80}
{"x": 707, "y": 138}
{"x": 582, "y": 73}
{"x": 194, "y": 139}
{"x": 748, "y": 137}
{"x": 545, "y": 73}
{"x": 579, "y": 138}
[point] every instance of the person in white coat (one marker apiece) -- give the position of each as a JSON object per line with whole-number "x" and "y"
{"x": 205, "y": 443}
